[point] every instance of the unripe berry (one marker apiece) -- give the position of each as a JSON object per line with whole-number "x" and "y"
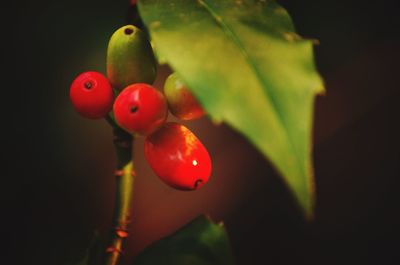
{"x": 91, "y": 95}
{"x": 181, "y": 101}
{"x": 178, "y": 157}
{"x": 130, "y": 58}
{"x": 140, "y": 108}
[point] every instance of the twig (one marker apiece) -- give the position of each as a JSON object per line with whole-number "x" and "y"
{"x": 124, "y": 187}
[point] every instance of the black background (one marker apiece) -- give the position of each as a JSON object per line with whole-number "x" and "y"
{"x": 55, "y": 164}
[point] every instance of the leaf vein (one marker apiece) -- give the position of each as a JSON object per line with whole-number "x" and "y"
{"x": 227, "y": 29}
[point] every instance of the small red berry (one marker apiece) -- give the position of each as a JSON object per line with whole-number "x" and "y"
{"x": 140, "y": 108}
{"x": 181, "y": 101}
{"x": 91, "y": 95}
{"x": 178, "y": 157}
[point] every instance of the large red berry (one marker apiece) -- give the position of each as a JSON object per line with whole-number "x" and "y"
{"x": 91, "y": 95}
{"x": 178, "y": 157}
{"x": 140, "y": 108}
{"x": 181, "y": 101}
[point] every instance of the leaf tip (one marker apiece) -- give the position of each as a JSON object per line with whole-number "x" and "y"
{"x": 320, "y": 88}
{"x": 315, "y": 41}
{"x": 308, "y": 213}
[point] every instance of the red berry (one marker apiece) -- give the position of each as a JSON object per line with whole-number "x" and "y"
{"x": 178, "y": 157}
{"x": 91, "y": 95}
{"x": 140, "y": 108}
{"x": 181, "y": 101}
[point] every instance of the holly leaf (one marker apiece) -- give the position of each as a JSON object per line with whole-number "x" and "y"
{"x": 93, "y": 254}
{"x": 201, "y": 242}
{"x": 246, "y": 65}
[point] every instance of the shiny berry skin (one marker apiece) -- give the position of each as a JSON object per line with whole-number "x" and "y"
{"x": 140, "y": 108}
{"x": 181, "y": 101}
{"x": 91, "y": 95}
{"x": 178, "y": 157}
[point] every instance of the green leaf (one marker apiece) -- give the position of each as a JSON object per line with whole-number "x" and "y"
{"x": 93, "y": 254}
{"x": 201, "y": 242}
{"x": 83, "y": 261}
{"x": 246, "y": 65}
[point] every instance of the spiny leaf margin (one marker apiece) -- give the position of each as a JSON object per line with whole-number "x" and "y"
{"x": 247, "y": 66}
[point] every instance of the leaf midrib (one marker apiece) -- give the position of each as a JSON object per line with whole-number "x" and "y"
{"x": 230, "y": 33}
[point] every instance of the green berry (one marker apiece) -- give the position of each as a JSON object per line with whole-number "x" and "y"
{"x": 181, "y": 101}
{"x": 130, "y": 58}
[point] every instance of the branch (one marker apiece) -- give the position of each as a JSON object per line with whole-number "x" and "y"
{"x": 124, "y": 188}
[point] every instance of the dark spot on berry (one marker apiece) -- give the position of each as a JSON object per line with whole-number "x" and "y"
{"x": 128, "y": 31}
{"x": 134, "y": 109}
{"x": 198, "y": 183}
{"x": 88, "y": 85}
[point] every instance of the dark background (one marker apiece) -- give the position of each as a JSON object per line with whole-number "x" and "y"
{"x": 57, "y": 167}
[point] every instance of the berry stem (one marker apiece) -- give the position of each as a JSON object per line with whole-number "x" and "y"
{"x": 124, "y": 188}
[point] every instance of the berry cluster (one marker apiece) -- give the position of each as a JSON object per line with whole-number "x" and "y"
{"x": 174, "y": 153}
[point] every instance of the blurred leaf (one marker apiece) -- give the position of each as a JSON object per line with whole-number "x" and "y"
{"x": 201, "y": 242}
{"x": 83, "y": 261}
{"x": 93, "y": 254}
{"x": 244, "y": 62}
